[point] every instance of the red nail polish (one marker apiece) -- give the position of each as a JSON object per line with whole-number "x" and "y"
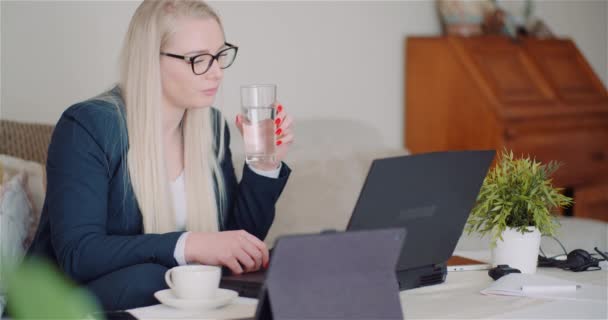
{"x": 279, "y": 108}
{"x": 277, "y": 121}
{"x": 279, "y": 143}
{"x": 278, "y": 132}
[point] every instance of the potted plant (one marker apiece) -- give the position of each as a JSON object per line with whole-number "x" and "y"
{"x": 515, "y": 205}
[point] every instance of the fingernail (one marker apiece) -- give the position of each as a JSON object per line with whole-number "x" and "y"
{"x": 278, "y": 132}
{"x": 279, "y": 108}
{"x": 277, "y": 121}
{"x": 279, "y": 143}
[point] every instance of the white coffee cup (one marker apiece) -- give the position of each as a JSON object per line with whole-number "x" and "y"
{"x": 194, "y": 282}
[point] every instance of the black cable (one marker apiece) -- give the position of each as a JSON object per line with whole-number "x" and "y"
{"x": 576, "y": 264}
{"x": 561, "y": 245}
{"x": 601, "y": 253}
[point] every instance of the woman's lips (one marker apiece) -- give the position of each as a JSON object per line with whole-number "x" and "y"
{"x": 209, "y": 92}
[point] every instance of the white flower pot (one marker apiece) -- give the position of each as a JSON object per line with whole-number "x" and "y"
{"x": 519, "y": 251}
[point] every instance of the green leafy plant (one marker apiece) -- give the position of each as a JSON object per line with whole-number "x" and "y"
{"x": 37, "y": 290}
{"x": 517, "y": 193}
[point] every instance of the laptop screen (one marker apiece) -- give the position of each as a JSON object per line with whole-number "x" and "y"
{"x": 431, "y": 195}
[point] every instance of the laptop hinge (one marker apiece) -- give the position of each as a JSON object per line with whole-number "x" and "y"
{"x": 421, "y": 276}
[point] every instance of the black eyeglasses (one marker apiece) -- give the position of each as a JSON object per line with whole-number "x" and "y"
{"x": 202, "y": 63}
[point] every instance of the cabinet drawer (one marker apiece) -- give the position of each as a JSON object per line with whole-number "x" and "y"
{"x": 508, "y": 71}
{"x": 584, "y": 153}
{"x": 567, "y": 71}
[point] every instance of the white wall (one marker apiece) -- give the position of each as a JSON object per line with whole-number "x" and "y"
{"x": 329, "y": 59}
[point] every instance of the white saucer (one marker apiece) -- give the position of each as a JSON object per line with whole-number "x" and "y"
{"x": 222, "y": 298}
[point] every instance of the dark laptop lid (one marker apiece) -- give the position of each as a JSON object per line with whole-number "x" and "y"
{"x": 342, "y": 275}
{"x": 431, "y": 195}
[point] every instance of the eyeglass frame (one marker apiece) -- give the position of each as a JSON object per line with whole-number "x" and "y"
{"x": 215, "y": 57}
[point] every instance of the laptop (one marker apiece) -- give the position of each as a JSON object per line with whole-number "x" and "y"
{"x": 430, "y": 195}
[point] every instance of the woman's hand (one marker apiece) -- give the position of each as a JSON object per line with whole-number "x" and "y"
{"x": 284, "y": 134}
{"x": 237, "y": 250}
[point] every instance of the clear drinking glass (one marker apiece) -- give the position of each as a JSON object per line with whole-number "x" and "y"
{"x": 257, "y": 103}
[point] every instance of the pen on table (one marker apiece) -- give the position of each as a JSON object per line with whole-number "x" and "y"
{"x": 549, "y": 288}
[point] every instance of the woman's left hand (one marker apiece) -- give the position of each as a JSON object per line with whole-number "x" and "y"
{"x": 284, "y": 135}
{"x": 284, "y": 132}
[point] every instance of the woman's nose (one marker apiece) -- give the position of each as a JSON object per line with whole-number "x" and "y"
{"x": 215, "y": 72}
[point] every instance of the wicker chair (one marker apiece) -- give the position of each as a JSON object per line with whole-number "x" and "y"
{"x": 29, "y": 141}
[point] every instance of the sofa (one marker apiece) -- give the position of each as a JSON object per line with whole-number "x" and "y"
{"x": 330, "y": 159}
{"x": 328, "y": 164}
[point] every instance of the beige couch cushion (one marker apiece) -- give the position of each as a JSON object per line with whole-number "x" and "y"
{"x": 35, "y": 177}
{"x": 16, "y": 219}
{"x": 321, "y": 194}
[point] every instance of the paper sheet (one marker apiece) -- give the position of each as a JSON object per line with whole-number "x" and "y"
{"x": 511, "y": 285}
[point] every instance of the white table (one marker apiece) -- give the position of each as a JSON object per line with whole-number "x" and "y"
{"x": 458, "y": 297}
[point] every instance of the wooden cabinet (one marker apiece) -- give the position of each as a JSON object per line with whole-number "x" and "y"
{"x": 536, "y": 97}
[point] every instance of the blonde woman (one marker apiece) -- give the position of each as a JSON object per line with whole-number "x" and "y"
{"x": 140, "y": 178}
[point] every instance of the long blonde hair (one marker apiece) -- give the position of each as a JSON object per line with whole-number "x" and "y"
{"x": 152, "y": 25}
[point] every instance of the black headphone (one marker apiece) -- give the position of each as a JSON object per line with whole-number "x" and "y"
{"x": 577, "y": 260}
{"x": 580, "y": 260}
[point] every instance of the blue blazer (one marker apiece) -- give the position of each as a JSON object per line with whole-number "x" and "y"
{"x": 91, "y": 224}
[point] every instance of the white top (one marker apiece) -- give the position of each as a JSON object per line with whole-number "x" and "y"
{"x": 178, "y": 192}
